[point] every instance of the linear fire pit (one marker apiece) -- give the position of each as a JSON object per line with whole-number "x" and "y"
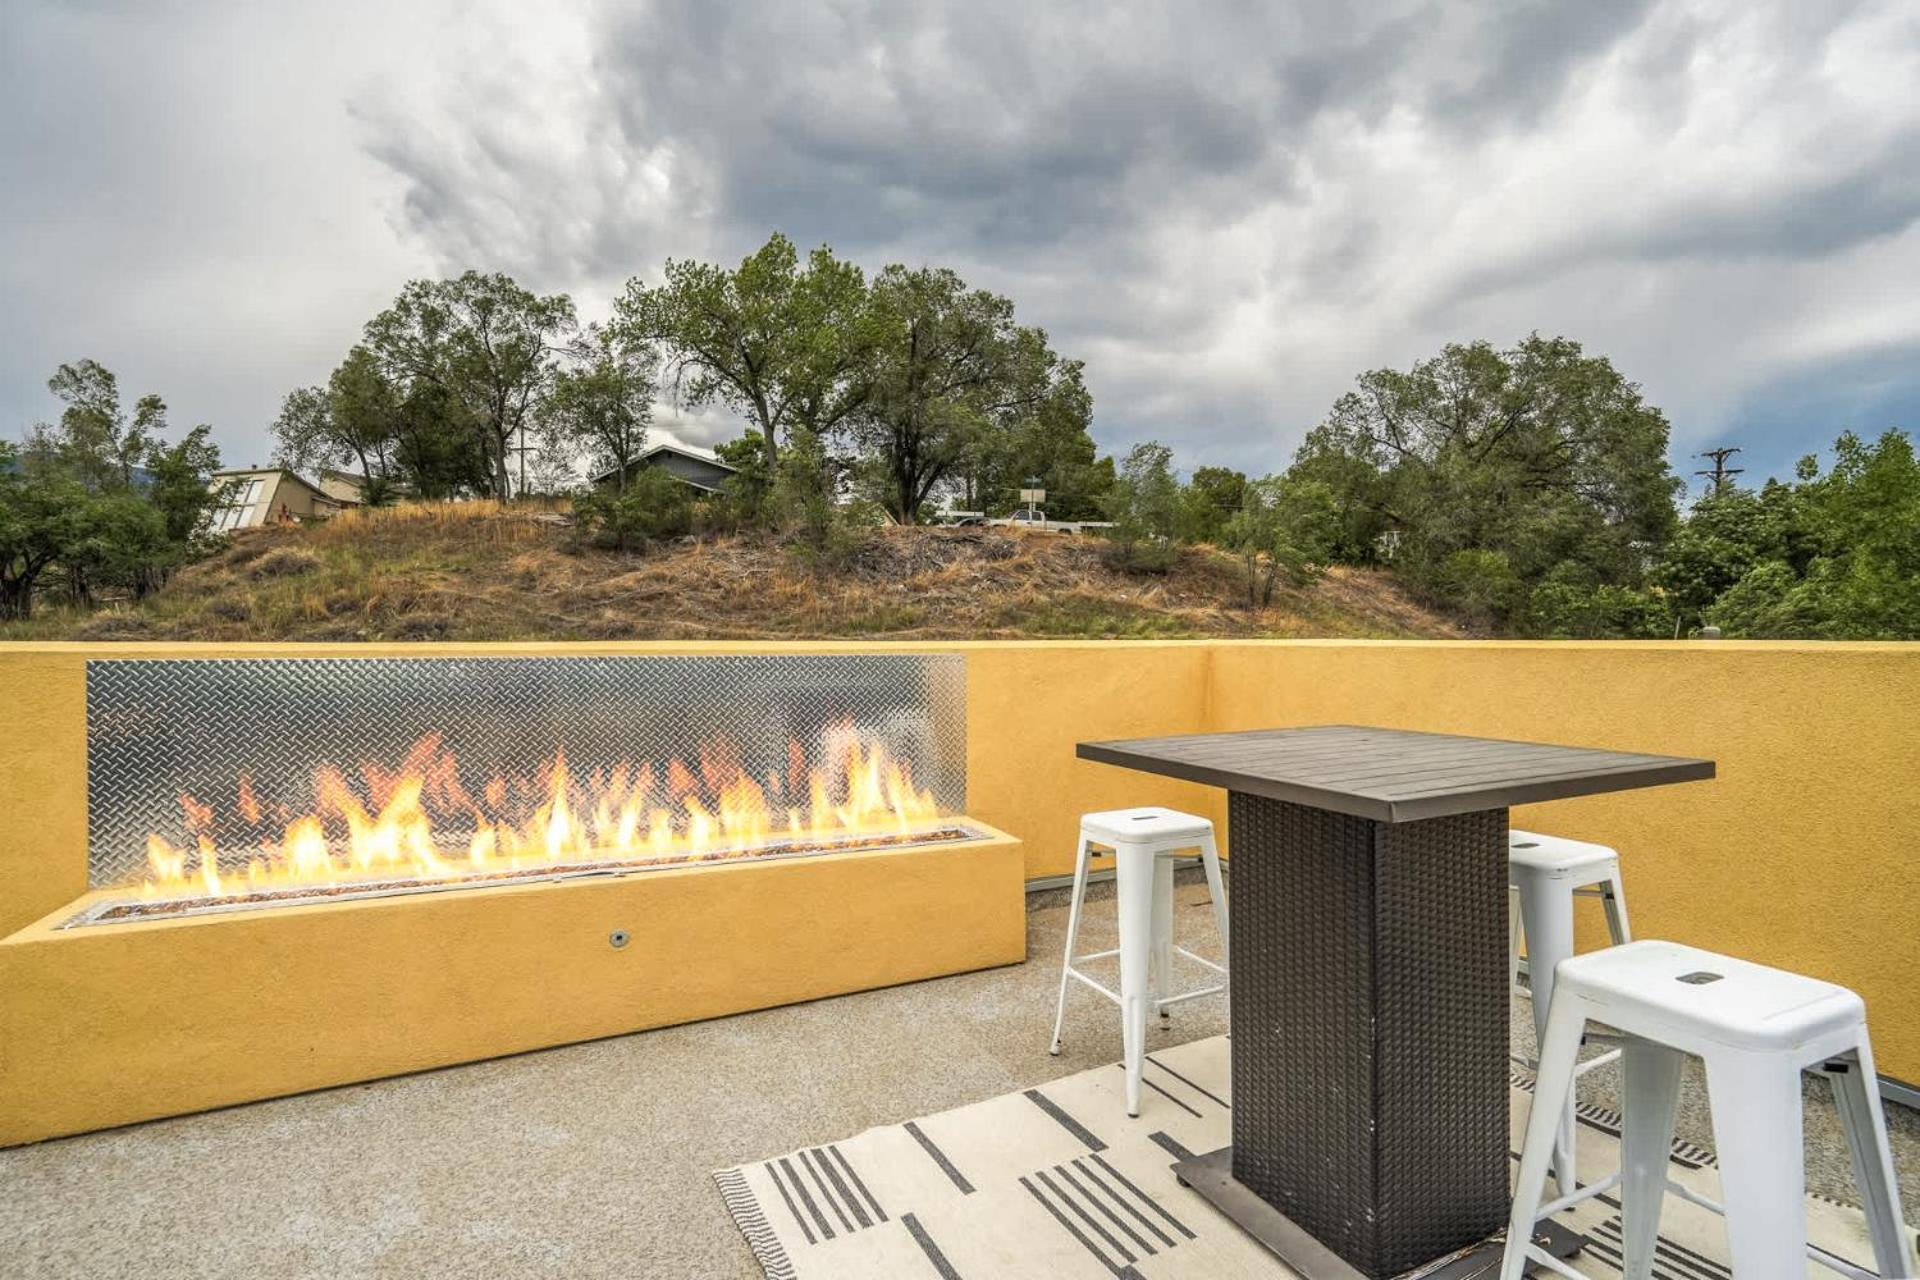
{"x": 310, "y": 871}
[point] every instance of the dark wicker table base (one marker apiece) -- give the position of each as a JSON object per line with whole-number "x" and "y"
{"x": 1211, "y": 1177}
{"x": 1369, "y": 1009}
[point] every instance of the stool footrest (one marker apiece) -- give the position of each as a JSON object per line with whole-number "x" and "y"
{"x": 1185, "y": 996}
{"x": 1108, "y": 992}
{"x": 1201, "y": 960}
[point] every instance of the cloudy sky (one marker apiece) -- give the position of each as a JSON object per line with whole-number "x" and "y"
{"x": 1227, "y": 210}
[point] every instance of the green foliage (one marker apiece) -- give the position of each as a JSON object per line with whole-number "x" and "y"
{"x": 1481, "y": 472}
{"x": 1214, "y": 495}
{"x": 99, "y": 501}
{"x": 1570, "y": 604}
{"x": 806, "y": 500}
{"x": 1480, "y": 583}
{"x": 955, "y": 386}
{"x": 1144, "y": 506}
{"x": 601, "y": 405}
{"x": 478, "y": 352}
{"x": 1828, "y": 557}
{"x": 654, "y": 507}
{"x": 784, "y": 345}
{"x": 745, "y": 499}
{"x": 1284, "y": 530}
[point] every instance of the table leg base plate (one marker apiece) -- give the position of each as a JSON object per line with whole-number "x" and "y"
{"x": 1211, "y": 1177}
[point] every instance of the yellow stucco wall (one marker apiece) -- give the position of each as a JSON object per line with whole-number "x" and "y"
{"x": 1796, "y": 855}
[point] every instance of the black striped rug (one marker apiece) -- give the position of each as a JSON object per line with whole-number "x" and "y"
{"x": 1056, "y": 1182}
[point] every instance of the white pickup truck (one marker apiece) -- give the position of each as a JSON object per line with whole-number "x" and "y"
{"x": 1024, "y": 519}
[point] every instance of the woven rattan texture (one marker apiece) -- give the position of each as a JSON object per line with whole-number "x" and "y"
{"x": 1369, "y": 1026}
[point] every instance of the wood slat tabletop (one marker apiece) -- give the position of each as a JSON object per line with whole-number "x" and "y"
{"x": 1393, "y": 775}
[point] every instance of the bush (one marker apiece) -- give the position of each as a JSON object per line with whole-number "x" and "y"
{"x": 284, "y": 562}
{"x": 1145, "y": 507}
{"x": 654, "y": 507}
{"x": 806, "y": 500}
{"x": 1283, "y": 529}
{"x": 1482, "y": 584}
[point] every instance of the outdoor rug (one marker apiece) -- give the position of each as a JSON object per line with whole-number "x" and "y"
{"x": 1057, "y": 1182}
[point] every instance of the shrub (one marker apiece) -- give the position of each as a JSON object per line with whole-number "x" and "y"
{"x": 1482, "y": 584}
{"x": 1144, "y": 506}
{"x": 654, "y": 507}
{"x": 284, "y": 562}
{"x": 1283, "y": 529}
{"x": 806, "y": 500}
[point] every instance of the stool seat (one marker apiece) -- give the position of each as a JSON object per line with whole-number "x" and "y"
{"x": 1676, "y": 989}
{"x": 1555, "y": 853}
{"x": 1149, "y": 823}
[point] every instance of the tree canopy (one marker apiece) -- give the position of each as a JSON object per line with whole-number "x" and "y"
{"x": 100, "y": 500}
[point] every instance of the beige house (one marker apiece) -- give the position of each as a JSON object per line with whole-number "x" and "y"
{"x": 349, "y": 488}
{"x": 270, "y": 495}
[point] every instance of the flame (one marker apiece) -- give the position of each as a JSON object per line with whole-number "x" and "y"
{"x": 418, "y": 822}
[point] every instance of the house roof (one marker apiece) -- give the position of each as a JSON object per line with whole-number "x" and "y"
{"x": 707, "y": 458}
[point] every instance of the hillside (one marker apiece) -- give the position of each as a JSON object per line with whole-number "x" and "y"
{"x": 475, "y": 572}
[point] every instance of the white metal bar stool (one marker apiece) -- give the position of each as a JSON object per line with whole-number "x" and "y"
{"x": 1144, "y": 842}
{"x": 1757, "y": 1029}
{"x": 1546, "y": 873}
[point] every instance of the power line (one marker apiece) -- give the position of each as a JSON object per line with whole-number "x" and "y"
{"x": 1721, "y": 472}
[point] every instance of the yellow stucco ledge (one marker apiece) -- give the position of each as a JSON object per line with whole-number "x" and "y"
{"x": 110, "y": 1024}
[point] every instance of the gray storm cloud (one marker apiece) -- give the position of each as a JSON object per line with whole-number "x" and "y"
{"x": 1228, "y": 210}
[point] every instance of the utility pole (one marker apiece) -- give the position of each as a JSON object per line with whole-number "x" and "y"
{"x": 1721, "y": 472}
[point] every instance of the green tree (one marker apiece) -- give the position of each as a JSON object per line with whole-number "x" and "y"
{"x": 353, "y": 420}
{"x": 1282, "y": 530}
{"x": 746, "y": 493}
{"x": 34, "y": 510}
{"x": 487, "y": 345}
{"x": 1213, "y": 496}
{"x": 96, "y": 441}
{"x": 1529, "y": 458}
{"x": 1838, "y": 558}
{"x": 806, "y": 495}
{"x": 99, "y": 500}
{"x": 1043, "y": 436}
{"x": 1728, "y": 533}
{"x": 1144, "y": 506}
{"x": 951, "y": 375}
{"x": 782, "y": 343}
{"x": 654, "y": 507}
{"x": 602, "y": 403}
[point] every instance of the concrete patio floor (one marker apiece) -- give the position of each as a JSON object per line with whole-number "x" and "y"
{"x": 593, "y": 1160}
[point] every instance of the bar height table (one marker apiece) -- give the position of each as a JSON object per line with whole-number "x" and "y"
{"x": 1367, "y": 929}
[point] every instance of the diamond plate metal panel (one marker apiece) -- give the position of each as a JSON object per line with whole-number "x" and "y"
{"x": 158, "y": 728}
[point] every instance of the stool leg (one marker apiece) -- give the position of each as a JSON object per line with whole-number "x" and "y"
{"x": 1073, "y": 935}
{"x": 1856, "y": 1095}
{"x": 1513, "y": 941}
{"x": 1546, "y": 914}
{"x": 1217, "y": 890}
{"x": 1134, "y": 876}
{"x": 1757, "y": 1131}
{"x": 1652, "y": 1088}
{"x": 1552, "y": 1089}
{"x": 1161, "y": 975}
{"x": 1613, "y": 898}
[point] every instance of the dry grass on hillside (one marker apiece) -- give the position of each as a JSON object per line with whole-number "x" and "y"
{"x": 476, "y": 571}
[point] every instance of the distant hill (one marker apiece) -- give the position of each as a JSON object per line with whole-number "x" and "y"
{"x": 473, "y": 571}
